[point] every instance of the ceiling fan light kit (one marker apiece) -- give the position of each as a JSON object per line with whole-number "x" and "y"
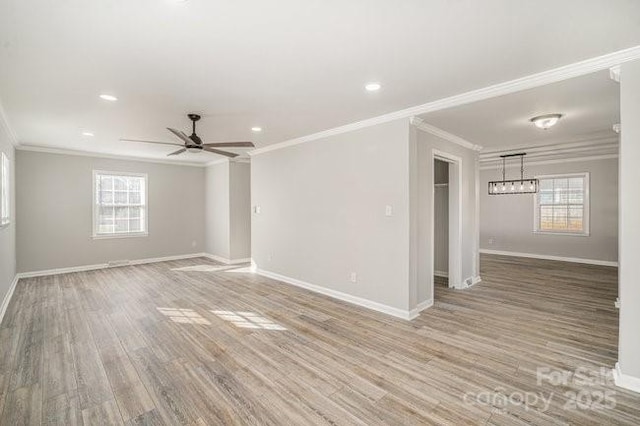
{"x": 194, "y": 144}
{"x": 516, "y": 186}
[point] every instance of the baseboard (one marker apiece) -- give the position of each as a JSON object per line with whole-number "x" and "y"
{"x": 415, "y": 312}
{"x": 225, "y": 260}
{"x": 83, "y": 268}
{"x": 379, "y": 307}
{"x": 7, "y": 297}
{"x": 625, "y": 381}
{"x": 546, "y": 257}
{"x": 443, "y": 274}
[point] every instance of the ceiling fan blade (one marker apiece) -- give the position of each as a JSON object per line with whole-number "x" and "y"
{"x": 181, "y": 135}
{"x": 231, "y": 144}
{"x": 180, "y": 151}
{"x": 217, "y": 151}
{"x": 140, "y": 140}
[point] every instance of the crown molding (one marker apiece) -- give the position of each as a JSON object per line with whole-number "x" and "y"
{"x": 531, "y": 81}
{"x": 554, "y": 161}
{"x": 422, "y": 125}
{"x": 614, "y": 73}
{"x": 583, "y": 143}
{"x": 62, "y": 151}
{"x": 4, "y": 123}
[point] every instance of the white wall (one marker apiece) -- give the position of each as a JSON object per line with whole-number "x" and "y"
{"x": 323, "y": 212}
{"x": 8, "y": 233}
{"x": 54, "y": 204}
{"x": 508, "y": 220}
{"x": 217, "y": 219}
{"x": 629, "y": 343}
{"x": 423, "y": 144}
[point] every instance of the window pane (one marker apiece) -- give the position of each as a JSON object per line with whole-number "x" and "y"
{"x": 106, "y": 197}
{"x": 106, "y": 183}
{"x": 134, "y": 184}
{"x": 135, "y": 198}
{"x": 121, "y": 212}
{"x": 120, "y": 197}
{"x": 546, "y": 196}
{"x": 119, "y": 183}
{"x": 120, "y": 204}
{"x": 559, "y": 218}
{"x": 122, "y": 225}
{"x": 546, "y": 184}
{"x": 576, "y": 183}
{"x": 560, "y": 191}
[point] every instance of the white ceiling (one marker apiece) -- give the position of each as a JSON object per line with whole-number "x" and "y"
{"x": 293, "y": 67}
{"x": 590, "y": 106}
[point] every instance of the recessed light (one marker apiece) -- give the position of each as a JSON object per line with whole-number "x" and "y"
{"x": 372, "y": 87}
{"x": 546, "y": 121}
{"x": 109, "y": 98}
{"x": 87, "y": 134}
{"x": 256, "y": 129}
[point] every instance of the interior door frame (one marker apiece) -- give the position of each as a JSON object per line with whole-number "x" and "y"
{"x": 455, "y": 219}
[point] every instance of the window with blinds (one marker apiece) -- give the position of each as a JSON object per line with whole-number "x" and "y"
{"x": 562, "y": 204}
{"x": 5, "y": 194}
{"x": 120, "y": 204}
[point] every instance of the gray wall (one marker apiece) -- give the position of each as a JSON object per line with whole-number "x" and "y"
{"x": 228, "y": 210}
{"x": 217, "y": 221}
{"x": 54, "y": 201}
{"x": 8, "y": 233}
{"x": 240, "y": 209}
{"x": 422, "y": 272}
{"x": 508, "y": 220}
{"x": 629, "y": 346}
{"x": 323, "y": 212}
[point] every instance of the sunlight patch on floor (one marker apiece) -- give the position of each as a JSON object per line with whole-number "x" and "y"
{"x": 183, "y": 316}
{"x": 248, "y": 320}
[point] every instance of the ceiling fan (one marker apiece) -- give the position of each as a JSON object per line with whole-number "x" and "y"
{"x": 193, "y": 143}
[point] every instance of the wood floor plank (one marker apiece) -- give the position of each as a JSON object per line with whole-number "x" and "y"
{"x": 193, "y": 342}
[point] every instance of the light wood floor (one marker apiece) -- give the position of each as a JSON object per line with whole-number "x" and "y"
{"x": 192, "y": 342}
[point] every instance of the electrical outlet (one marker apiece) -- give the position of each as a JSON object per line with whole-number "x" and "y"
{"x": 388, "y": 211}
{"x": 257, "y": 209}
{"x": 492, "y": 240}
{"x": 354, "y": 277}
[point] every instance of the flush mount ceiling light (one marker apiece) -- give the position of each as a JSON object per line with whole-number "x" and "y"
{"x": 546, "y": 121}
{"x": 372, "y": 87}
{"x": 87, "y": 134}
{"x": 518, "y": 186}
{"x": 109, "y": 98}
{"x": 256, "y": 129}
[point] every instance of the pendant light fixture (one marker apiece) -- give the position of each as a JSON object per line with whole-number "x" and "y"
{"x": 518, "y": 186}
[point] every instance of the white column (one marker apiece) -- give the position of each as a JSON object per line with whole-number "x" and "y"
{"x": 627, "y": 372}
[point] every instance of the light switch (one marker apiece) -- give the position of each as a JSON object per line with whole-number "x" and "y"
{"x": 388, "y": 211}
{"x": 256, "y": 209}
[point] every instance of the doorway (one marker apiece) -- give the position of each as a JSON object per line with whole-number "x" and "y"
{"x": 446, "y": 215}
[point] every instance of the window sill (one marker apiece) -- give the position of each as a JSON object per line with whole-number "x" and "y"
{"x": 115, "y": 236}
{"x": 564, "y": 234}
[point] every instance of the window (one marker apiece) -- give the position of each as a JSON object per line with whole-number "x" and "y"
{"x": 562, "y": 204}
{"x": 5, "y": 207}
{"x": 120, "y": 204}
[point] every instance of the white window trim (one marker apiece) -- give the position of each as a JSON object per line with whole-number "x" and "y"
{"x": 7, "y": 190}
{"x": 587, "y": 207}
{"x": 95, "y": 234}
